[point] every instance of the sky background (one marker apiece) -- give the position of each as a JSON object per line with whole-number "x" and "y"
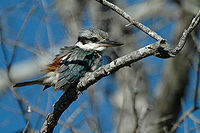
{"x": 11, "y": 119}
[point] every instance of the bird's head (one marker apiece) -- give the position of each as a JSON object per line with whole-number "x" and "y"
{"x": 95, "y": 39}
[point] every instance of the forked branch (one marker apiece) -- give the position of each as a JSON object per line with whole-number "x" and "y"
{"x": 160, "y": 49}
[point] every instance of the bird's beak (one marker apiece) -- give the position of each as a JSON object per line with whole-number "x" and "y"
{"x": 108, "y": 43}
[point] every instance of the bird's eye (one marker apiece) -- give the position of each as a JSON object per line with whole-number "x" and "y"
{"x": 94, "y": 39}
{"x": 80, "y": 38}
{"x": 83, "y": 40}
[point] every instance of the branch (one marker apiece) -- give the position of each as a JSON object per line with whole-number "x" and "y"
{"x": 181, "y": 119}
{"x": 61, "y": 105}
{"x": 194, "y": 108}
{"x": 160, "y": 49}
{"x": 115, "y": 65}
{"x": 169, "y": 51}
{"x": 193, "y": 24}
{"x": 19, "y": 35}
{"x": 131, "y": 21}
{"x": 71, "y": 95}
{"x": 197, "y": 85}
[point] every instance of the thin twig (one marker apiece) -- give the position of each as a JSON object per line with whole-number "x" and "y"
{"x": 134, "y": 94}
{"x": 194, "y": 119}
{"x": 181, "y": 119}
{"x": 21, "y": 102}
{"x": 197, "y": 84}
{"x": 132, "y": 21}
{"x": 14, "y": 7}
{"x": 71, "y": 118}
{"x": 181, "y": 43}
{"x": 23, "y": 45}
{"x": 3, "y": 42}
{"x": 194, "y": 108}
{"x": 97, "y": 124}
{"x": 27, "y": 124}
{"x": 44, "y": 5}
{"x": 169, "y": 51}
{"x": 122, "y": 108}
{"x": 19, "y": 35}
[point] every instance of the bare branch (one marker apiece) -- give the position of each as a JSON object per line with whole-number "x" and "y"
{"x": 135, "y": 112}
{"x": 193, "y": 24}
{"x": 132, "y": 21}
{"x": 28, "y": 122}
{"x": 194, "y": 108}
{"x": 71, "y": 95}
{"x": 20, "y": 33}
{"x": 115, "y": 65}
{"x": 63, "y": 103}
{"x": 3, "y": 42}
{"x": 197, "y": 84}
{"x": 181, "y": 119}
{"x": 160, "y": 49}
{"x": 49, "y": 33}
{"x": 170, "y": 52}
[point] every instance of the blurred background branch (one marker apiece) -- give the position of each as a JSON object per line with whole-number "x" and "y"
{"x": 145, "y": 97}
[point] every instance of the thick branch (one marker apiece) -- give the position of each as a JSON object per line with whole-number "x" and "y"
{"x": 61, "y": 105}
{"x": 115, "y": 65}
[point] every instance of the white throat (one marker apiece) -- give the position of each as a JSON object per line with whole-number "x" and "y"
{"x": 90, "y": 46}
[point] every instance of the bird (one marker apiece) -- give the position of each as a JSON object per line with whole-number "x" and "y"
{"x": 74, "y": 62}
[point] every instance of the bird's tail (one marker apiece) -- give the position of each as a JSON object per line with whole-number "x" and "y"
{"x": 28, "y": 83}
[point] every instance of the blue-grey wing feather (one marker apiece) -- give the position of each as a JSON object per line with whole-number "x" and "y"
{"x": 64, "y": 51}
{"x": 75, "y": 65}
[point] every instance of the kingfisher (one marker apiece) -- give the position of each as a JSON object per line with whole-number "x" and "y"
{"x": 74, "y": 62}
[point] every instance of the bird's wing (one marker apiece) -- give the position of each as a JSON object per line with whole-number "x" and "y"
{"x": 74, "y": 66}
{"x": 55, "y": 65}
